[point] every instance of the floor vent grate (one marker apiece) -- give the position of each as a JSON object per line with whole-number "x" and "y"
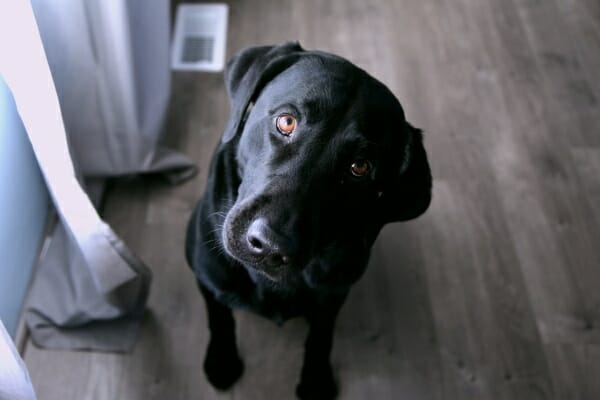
{"x": 199, "y": 37}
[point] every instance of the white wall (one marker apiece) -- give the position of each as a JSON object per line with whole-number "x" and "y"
{"x": 23, "y": 211}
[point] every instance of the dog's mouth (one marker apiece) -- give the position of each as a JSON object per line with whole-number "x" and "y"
{"x": 272, "y": 269}
{"x": 273, "y": 274}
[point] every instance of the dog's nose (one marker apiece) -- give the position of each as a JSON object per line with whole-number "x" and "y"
{"x": 264, "y": 241}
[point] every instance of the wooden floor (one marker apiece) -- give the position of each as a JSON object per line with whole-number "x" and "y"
{"x": 493, "y": 294}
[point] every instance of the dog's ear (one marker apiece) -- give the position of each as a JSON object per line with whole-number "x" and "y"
{"x": 248, "y": 72}
{"x": 408, "y": 193}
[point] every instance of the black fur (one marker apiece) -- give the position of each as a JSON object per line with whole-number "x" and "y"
{"x": 285, "y": 228}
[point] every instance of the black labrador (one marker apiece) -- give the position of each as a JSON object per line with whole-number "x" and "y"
{"x": 317, "y": 156}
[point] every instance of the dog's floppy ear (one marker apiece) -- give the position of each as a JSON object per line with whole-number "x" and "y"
{"x": 409, "y": 193}
{"x": 248, "y": 72}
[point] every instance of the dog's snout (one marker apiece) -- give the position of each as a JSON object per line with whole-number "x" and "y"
{"x": 264, "y": 241}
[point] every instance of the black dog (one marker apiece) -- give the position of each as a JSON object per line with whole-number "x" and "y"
{"x": 316, "y": 158}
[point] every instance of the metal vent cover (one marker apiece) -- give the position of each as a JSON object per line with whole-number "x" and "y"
{"x": 200, "y": 37}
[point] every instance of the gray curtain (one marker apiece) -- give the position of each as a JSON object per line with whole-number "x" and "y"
{"x": 108, "y": 61}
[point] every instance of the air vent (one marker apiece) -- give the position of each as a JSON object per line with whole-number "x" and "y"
{"x": 199, "y": 38}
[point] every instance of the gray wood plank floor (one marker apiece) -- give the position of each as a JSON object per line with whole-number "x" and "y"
{"x": 493, "y": 294}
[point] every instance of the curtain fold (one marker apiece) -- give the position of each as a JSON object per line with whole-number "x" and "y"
{"x": 91, "y": 82}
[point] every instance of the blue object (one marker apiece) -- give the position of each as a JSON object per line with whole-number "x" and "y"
{"x": 23, "y": 211}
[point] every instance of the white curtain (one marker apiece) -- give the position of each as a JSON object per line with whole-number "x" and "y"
{"x": 92, "y": 94}
{"x": 15, "y": 383}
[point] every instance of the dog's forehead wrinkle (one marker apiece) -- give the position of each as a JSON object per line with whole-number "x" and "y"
{"x": 315, "y": 77}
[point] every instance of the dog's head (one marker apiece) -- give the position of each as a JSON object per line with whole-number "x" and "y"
{"x": 325, "y": 158}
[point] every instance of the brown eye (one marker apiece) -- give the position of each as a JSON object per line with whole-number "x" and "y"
{"x": 360, "y": 168}
{"x": 286, "y": 124}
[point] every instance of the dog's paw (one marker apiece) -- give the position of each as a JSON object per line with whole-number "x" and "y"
{"x": 317, "y": 384}
{"x": 222, "y": 365}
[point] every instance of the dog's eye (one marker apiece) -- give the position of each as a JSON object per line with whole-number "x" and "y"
{"x": 360, "y": 168}
{"x": 286, "y": 124}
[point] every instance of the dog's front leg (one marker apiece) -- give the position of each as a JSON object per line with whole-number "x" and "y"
{"x": 316, "y": 380}
{"x": 222, "y": 364}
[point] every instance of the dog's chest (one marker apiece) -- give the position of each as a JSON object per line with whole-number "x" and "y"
{"x": 276, "y": 304}
{"x": 276, "y": 308}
